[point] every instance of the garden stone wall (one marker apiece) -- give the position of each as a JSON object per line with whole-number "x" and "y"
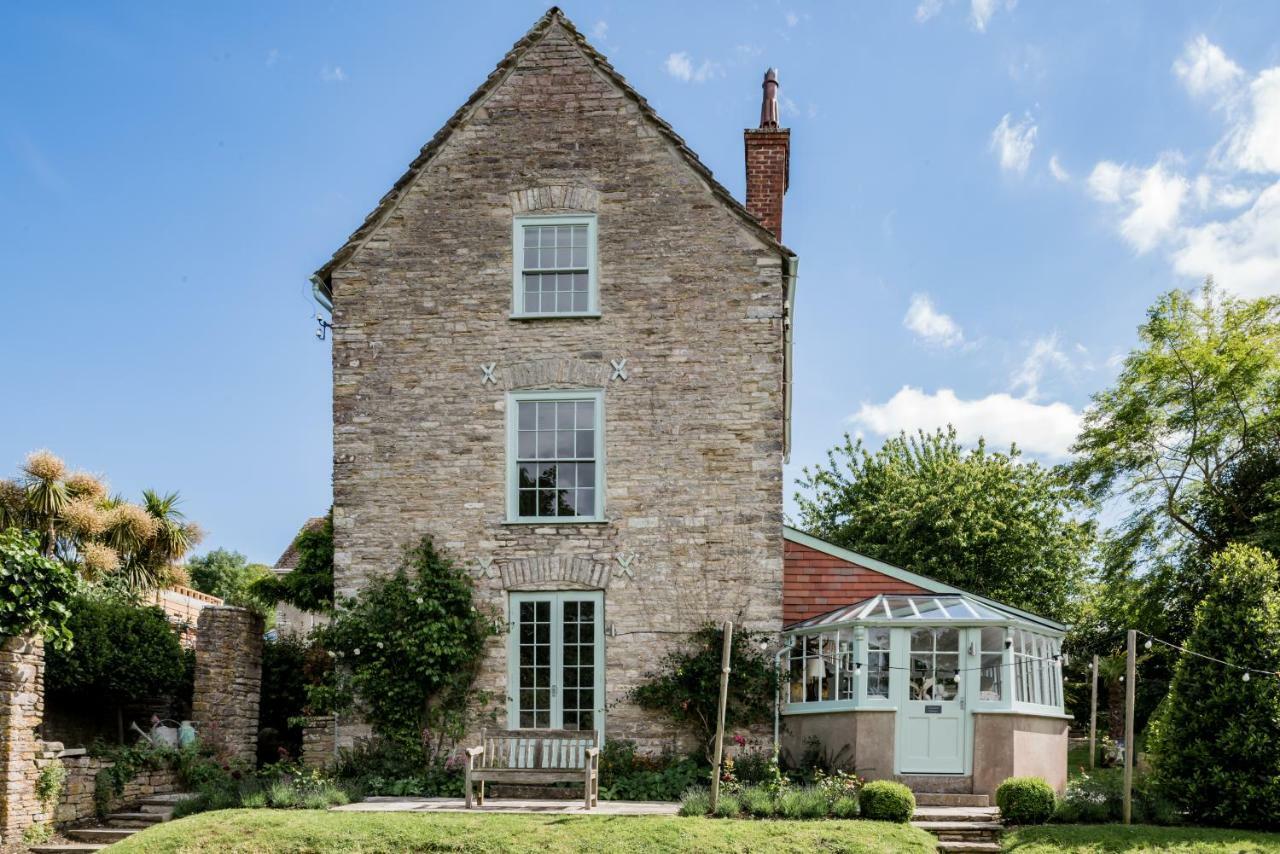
{"x": 77, "y": 803}
{"x": 228, "y": 680}
{"x": 22, "y": 753}
{"x": 318, "y": 741}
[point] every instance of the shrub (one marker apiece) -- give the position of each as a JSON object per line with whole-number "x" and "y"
{"x": 883, "y": 800}
{"x": 686, "y": 684}
{"x": 1025, "y": 800}
{"x": 728, "y": 806}
{"x": 846, "y": 806}
{"x": 1098, "y": 798}
{"x": 757, "y": 801}
{"x": 37, "y": 590}
{"x": 807, "y": 802}
{"x": 695, "y": 801}
{"x": 399, "y": 768}
{"x": 629, "y": 776}
{"x": 282, "y": 698}
{"x": 122, "y": 653}
{"x": 837, "y": 785}
{"x": 754, "y": 766}
{"x": 1216, "y": 737}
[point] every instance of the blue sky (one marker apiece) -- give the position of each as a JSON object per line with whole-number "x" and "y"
{"x": 985, "y": 197}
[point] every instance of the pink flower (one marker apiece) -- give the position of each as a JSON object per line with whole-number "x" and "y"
{"x": 739, "y": 740}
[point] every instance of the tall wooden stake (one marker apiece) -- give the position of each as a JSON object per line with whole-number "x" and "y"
{"x": 1130, "y": 748}
{"x": 724, "y": 698}
{"x": 1093, "y": 717}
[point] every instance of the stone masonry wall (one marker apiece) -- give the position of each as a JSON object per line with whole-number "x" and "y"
{"x": 318, "y": 741}
{"x": 77, "y": 802}
{"x": 21, "y": 751}
{"x": 691, "y": 298}
{"x": 228, "y": 679}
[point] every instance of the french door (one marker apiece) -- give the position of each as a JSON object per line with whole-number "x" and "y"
{"x": 555, "y": 655}
{"x": 932, "y": 719}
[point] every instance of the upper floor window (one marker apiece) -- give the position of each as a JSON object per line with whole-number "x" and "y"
{"x": 555, "y": 267}
{"x": 555, "y": 453}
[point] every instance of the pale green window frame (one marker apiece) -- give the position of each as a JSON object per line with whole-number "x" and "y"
{"x": 514, "y": 399}
{"x": 518, "y": 308}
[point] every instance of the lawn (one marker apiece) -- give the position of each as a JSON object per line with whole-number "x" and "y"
{"x": 1138, "y": 839}
{"x": 252, "y": 831}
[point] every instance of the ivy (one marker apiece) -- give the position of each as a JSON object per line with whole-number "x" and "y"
{"x": 686, "y": 685}
{"x": 34, "y": 590}
{"x": 309, "y": 585}
{"x": 406, "y": 651}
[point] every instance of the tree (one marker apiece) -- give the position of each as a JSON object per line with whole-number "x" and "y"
{"x": 1216, "y": 738}
{"x": 309, "y": 586}
{"x": 137, "y": 546}
{"x": 229, "y": 576}
{"x": 1192, "y": 404}
{"x": 991, "y": 523}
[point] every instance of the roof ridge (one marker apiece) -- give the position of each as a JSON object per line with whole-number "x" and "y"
{"x": 553, "y": 15}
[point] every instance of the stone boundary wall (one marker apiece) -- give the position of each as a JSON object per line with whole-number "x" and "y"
{"x": 77, "y": 797}
{"x": 318, "y": 741}
{"x": 22, "y": 753}
{"x": 228, "y": 680}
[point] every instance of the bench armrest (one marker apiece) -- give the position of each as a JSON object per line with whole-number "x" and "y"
{"x": 474, "y": 751}
{"x": 593, "y": 752}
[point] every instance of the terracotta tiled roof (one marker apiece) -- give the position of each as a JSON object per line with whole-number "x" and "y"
{"x": 508, "y": 63}
{"x": 289, "y": 559}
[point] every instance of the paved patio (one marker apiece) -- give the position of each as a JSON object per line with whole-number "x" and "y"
{"x": 557, "y": 807}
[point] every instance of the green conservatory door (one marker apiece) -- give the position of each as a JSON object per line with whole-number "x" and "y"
{"x": 932, "y": 720}
{"x": 555, "y": 656}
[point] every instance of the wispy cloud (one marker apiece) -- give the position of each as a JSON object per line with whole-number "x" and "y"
{"x": 1013, "y": 142}
{"x": 1224, "y": 221}
{"x": 1043, "y": 429}
{"x": 1044, "y": 353}
{"x": 333, "y": 74}
{"x": 792, "y": 19}
{"x": 927, "y": 9}
{"x": 981, "y": 11}
{"x": 1057, "y": 170}
{"x": 600, "y": 31}
{"x": 931, "y": 326}
{"x": 681, "y": 66}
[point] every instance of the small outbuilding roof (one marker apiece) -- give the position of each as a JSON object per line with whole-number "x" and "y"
{"x": 923, "y": 609}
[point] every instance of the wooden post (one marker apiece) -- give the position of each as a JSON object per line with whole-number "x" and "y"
{"x": 1093, "y": 717}
{"x": 724, "y": 698}
{"x": 1130, "y": 748}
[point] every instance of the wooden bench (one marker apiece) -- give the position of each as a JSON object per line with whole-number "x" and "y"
{"x": 535, "y": 756}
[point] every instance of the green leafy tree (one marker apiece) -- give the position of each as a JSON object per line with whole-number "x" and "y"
{"x": 1216, "y": 738}
{"x": 35, "y": 591}
{"x": 686, "y": 684}
{"x": 229, "y": 576}
{"x": 122, "y": 653}
{"x": 407, "y": 649}
{"x": 309, "y": 586}
{"x": 983, "y": 521}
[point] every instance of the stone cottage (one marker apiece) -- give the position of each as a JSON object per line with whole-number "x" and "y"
{"x": 560, "y": 347}
{"x": 563, "y": 350}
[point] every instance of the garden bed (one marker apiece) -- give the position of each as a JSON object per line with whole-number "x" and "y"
{"x": 261, "y": 831}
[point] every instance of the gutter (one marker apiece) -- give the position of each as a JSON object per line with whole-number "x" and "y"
{"x": 321, "y": 294}
{"x": 790, "y": 271}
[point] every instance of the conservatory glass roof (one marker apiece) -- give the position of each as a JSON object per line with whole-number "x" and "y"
{"x": 916, "y": 608}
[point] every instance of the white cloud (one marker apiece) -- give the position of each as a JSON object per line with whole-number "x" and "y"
{"x": 1045, "y": 352}
{"x": 792, "y": 19}
{"x": 600, "y": 31}
{"x": 1253, "y": 143}
{"x": 927, "y": 9}
{"x": 980, "y": 12}
{"x": 1150, "y": 199}
{"x": 1046, "y": 429}
{"x": 930, "y": 325}
{"x": 333, "y": 74}
{"x": 1205, "y": 70}
{"x": 680, "y": 66}
{"x": 1243, "y": 253}
{"x": 1013, "y": 143}
{"x": 1056, "y": 169}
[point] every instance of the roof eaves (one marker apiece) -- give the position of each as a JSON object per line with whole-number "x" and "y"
{"x": 322, "y": 277}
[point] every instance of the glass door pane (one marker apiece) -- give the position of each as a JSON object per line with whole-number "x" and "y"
{"x": 534, "y": 642}
{"x": 578, "y": 664}
{"x": 556, "y": 661}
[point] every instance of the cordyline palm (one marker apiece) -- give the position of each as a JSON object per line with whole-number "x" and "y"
{"x": 152, "y": 560}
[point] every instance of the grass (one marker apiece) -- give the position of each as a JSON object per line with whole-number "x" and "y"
{"x": 262, "y": 831}
{"x": 1138, "y": 839}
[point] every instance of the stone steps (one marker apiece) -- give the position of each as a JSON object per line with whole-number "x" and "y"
{"x": 951, "y": 799}
{"x": 151, "y": 810}
{"x": 971, "y": 825}
{"x": 965, "y": 847}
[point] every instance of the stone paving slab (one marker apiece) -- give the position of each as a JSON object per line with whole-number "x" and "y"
{"x": 512, "y": 805}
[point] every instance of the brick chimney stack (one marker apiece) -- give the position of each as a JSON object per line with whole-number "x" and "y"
{"x": 768, "y": 150}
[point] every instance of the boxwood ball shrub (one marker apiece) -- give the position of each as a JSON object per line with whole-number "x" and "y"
{"x": 884, "y": 800}
{"x": 1025, "y": 800}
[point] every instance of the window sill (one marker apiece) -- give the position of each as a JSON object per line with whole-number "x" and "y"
{"x": 576, "y": 520}
{"x": 557, "y": 316}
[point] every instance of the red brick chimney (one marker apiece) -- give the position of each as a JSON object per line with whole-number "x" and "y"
{"x": 768, "y": 150}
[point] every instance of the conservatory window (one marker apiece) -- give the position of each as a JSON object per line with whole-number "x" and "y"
{"x": 878, "y": 663}
{"x": 991, "y": 670}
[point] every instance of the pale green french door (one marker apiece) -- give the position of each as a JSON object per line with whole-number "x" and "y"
{"x": 555, "y": 661}
{"x": 933, "y": 723}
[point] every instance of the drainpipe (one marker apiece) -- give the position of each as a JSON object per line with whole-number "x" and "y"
{"x": 790, "y": 270}
{"x": 777, "y": 693}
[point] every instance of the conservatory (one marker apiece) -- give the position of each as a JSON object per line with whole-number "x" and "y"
{"x": 949, "y": 686}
